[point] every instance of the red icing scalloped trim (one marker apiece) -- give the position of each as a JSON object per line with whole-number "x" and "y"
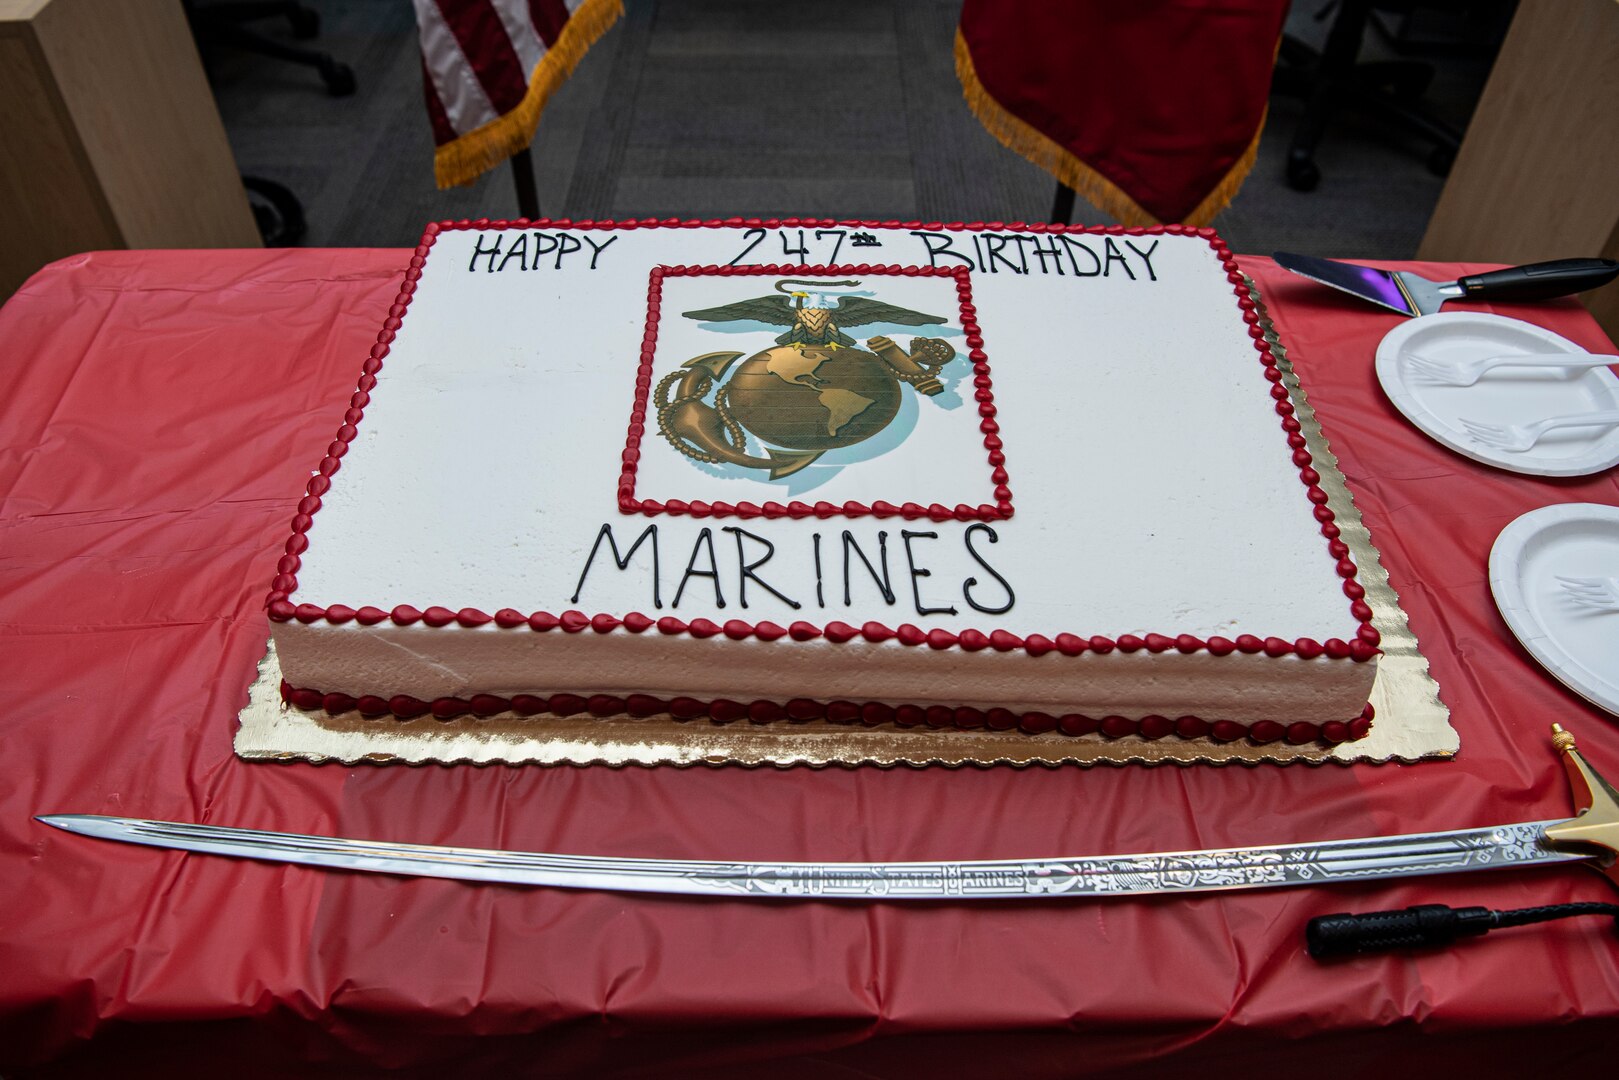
{"x": 804, "y": 710}
{"x": 280, "y": 608}
{"x": 984, "y": 396}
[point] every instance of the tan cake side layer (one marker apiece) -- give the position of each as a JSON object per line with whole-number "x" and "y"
{"x": 442, "y": 662}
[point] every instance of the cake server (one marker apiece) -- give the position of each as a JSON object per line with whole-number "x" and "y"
{"x": 1411, "y": 294}
{"x": 1593, "y": 836}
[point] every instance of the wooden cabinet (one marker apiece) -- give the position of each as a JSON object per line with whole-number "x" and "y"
{"x": 109, "y": 136}
{"x": 1538, "y": 174}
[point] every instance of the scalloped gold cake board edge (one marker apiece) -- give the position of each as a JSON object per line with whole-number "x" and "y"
{"x": 1411, "y": 724}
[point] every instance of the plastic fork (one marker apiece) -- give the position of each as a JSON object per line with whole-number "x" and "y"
{"x": 1468, "y": 372}
{"x": 1592, "y": 592}
{"x": 1516, "y": 438}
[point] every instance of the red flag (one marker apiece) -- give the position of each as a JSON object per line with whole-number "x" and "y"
{"x": 1150, "y": 109}
{"x": 488, "y": 68}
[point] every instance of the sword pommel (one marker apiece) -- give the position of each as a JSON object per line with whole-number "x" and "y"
{"x": 1595, "y": 827}
{"x": 1562, "y": 739}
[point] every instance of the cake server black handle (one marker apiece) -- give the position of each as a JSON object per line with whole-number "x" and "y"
{"x": 1540, "y": 281}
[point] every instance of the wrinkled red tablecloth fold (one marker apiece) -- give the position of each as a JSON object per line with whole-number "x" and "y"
{"x": 160, "y": 413}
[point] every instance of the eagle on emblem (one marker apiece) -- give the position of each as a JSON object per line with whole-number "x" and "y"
{"x": 813, "y": 325}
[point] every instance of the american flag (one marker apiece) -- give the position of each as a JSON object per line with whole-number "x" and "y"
{"x": 488, "y": 68}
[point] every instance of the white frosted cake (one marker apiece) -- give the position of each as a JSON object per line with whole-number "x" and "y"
{"x": 796, "y": 471}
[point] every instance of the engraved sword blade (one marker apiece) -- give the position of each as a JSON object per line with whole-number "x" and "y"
{"x": 1316, "y": 863}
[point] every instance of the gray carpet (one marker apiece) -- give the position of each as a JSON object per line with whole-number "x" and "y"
{"x": 703, "y": 108}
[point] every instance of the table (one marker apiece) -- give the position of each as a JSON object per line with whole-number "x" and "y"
{"x": 159, "y": 415}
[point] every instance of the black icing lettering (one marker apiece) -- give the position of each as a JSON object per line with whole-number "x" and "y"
{"x": 706, "y": 537}
{"x": 1111, "y": 254}
{"x": 967, "y": 586}
{"x": 540, "y": 248}
{"x": 993, "y": 244}
{"x": 837, "y": 245}
{"x": 920, "y": 572}
{"x": 1146, "y": 257}
{"x": 748, "y": 568}
{"x": 1071, "y": 244}
{"x": 757, "y": 236}
{"x": 1022, "y": 253}
{"x": 884, "y": 583}
{"x": 820, "y": 598}
{"x": 518, "y": 251}
{"x": 788, "y": 250}
{"x": 596, "y": 249}
{"x": 563, "y": 249}
{"x": 1049, "y": 251}
{"x": 478, "y": 251}
{"x": 623, "y": 561}
{"x": 938, "y": 244}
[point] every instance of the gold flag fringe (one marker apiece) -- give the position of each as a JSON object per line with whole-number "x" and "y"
{"x": 1027, "y": 141}
{"x": 481, "y": 149}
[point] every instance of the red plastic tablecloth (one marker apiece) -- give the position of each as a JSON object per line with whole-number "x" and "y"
{"x": 160, "y": 413}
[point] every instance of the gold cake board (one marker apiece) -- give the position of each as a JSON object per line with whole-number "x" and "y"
{"x": 1411, "y": 724}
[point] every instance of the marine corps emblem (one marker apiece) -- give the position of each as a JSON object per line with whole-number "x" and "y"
{"x": 815, "y": 390}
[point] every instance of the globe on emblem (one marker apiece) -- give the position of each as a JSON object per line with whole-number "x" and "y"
{"x": 813, "y": 398}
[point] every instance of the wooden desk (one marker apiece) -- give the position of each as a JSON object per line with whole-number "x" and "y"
{"x": 109, "y": 137}
{"x": 1538, "y": 174}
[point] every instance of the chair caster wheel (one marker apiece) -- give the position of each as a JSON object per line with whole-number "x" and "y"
{"x": 276, "y": 210}
{"x": 305, "y": 22}
{"x": 1302, "y": 174}
{"x": 338, "y": 77}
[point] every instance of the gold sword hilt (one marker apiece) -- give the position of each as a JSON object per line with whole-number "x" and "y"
{"x": 1594, "y": 829}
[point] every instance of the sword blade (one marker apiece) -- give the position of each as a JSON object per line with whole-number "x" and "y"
{"x": 1323, "y": 862}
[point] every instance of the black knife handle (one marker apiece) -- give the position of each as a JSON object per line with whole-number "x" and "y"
{"x": 1540, "y": 281}
{"x": 1379, "y": 931}
{"x": 1428, "y": 924}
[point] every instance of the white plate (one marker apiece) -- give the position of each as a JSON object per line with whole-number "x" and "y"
{"x": 1502, "y": 396}
{"x": 1579, "y": 645}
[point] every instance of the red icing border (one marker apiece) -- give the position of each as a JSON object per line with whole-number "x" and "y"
{"x": 281, "y": 609}
{"x": 805, "y": 710}
{"x": 910, "y": 511}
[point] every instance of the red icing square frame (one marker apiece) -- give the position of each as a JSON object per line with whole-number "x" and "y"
{"x": 988, "y": 426}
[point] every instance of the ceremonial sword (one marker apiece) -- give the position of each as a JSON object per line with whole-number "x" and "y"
{"x": 1591, "y": 836}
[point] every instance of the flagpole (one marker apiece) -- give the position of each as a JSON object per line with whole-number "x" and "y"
{"x": 1062, "y": 207}
{"x": 528, "y": 199}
